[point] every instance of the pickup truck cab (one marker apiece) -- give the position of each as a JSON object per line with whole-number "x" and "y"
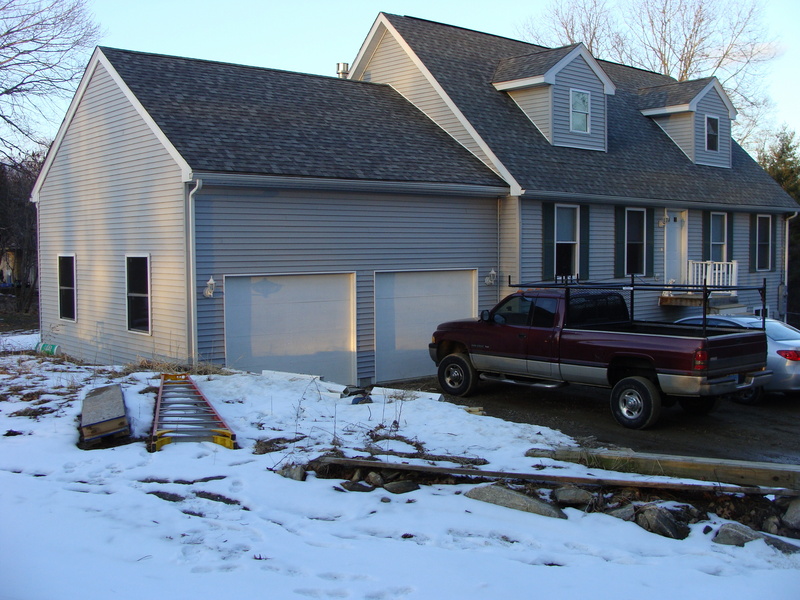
{"x": 549, "y": 337}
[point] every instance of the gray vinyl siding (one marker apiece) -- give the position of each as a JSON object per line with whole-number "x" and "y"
{"x": 579, "y": 76}
{"x": 112, "y": 189}
{"x": 537, "y": 104}
{"x": 680, "y": 128}
{"x": 712, "y": 105}
{"x": 247, "y": 232}
{"x": 391, "y": 65}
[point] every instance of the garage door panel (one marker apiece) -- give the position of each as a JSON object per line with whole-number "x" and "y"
{"x": 296, "y": 323}
{"x": 408, "y": 307}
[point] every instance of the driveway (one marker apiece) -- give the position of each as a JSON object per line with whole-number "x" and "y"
{"x": 767, "y": 432}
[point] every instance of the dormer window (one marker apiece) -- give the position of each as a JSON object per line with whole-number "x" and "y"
{"x": 579, "y": 111}
{"x": 712, "y": 134}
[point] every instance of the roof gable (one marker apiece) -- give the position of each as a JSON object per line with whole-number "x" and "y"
{"x": 541, "y": 68}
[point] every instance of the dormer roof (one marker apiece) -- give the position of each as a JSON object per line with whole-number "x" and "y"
{"x": 682, "y": 96}
{"x": 541, "y": 68}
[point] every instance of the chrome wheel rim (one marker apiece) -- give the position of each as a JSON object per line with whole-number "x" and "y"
{"x": 453, "y": 376}
{"x": 631, "y": 404}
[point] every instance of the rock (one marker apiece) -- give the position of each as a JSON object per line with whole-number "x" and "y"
{"x": 736, "y": 534}
{"x": 792, "y": 515}
{"x": 296, "y": 472}
{"x": 401, "y": 487}
{"x": 356, "y": 486}
{"x": 570, "y": 495}
{"x": 374, "y": 479}
{"x": 495, "y": 494}
{"x": 658, "y": 520}
{"x": 771, "y": 525}
{"x": 626, "y": 513}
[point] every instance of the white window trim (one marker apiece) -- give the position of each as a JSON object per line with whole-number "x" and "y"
{"x": 719, "y": 136}
{"x": 572, "y": 129}
{"x": 724, "y": 244}
{"x": 74, "y": 285}
{"x": 644, "y": 240}
{"x": 769, "y": 244}
{"x": 577, "y": 242}
{"x": 149, "y": 331}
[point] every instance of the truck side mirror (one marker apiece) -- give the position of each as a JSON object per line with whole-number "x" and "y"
{"x": 484, "y": 315}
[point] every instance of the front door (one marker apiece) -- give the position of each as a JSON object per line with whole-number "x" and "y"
{"x": 675, "y": 247}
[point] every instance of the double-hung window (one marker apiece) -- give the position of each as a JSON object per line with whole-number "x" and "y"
{"x": 66, "y": 287}
{"x": 137, "y": 282}
{"x": 579, "y": 104}
{"x": 712, "y": 134}
{"x": 566, "y": 240}
{"x": 763, "y": 249}
{"x": 635, "y": 241}
{"x": 719, "y": 237}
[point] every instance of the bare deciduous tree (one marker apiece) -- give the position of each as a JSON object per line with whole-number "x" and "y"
{"x": 684, "y": 39}
{"x": 43, "y": 51}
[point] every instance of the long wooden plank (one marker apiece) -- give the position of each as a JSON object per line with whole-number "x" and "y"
{"x": 566, "y": 479}
{"x": 705, "y": 469}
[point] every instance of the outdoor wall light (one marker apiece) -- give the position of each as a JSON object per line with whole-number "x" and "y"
{"x": 491, "y": 278}
{"x": 210, "y": 285}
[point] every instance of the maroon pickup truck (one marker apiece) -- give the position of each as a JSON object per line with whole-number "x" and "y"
{"x": 551, "y": 336}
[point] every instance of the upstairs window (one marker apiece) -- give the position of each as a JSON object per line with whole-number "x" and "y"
{"x": 712, "y": 134}
{"x": 579, "y": 111}
{"x": 137, "y": 277}
{"x": 66, "y": 287}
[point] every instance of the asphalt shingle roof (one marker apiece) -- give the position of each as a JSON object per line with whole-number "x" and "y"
{"x": 671, "y": 94}
{"x": 230, "y": 118}
{"x": 641, "y": 160}
{"x": 529, "y": 65}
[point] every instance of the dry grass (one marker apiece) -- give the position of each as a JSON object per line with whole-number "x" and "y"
{"x": 164, "y": 366}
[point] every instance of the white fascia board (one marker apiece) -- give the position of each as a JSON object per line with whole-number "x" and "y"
{"x": 62, "y": 130}
{"x": 368, "y": 47}
{"x": 667, "y": 110}
{"x": 714, "y": 84}
{"x": 98, "y": 58}
{"x": 515, "y": 187}
{"x": 186, "y": 171}
{"x": 580, "y": 50}
{"x": 520, "y": 84}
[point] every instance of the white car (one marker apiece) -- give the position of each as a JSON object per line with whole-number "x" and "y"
{"x": 783, "y": 352}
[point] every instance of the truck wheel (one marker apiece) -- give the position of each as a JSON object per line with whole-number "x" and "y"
{"x": 635, "y": 402}
{"x": 750, "y": 396}
{"x": 700, "y": 406}
{"x": 456, "y": 375}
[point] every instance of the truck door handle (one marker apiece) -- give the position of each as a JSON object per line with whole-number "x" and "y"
{"x": 522, "y": 335}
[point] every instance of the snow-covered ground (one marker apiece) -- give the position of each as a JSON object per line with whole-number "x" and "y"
{"x": 196, "y": 520}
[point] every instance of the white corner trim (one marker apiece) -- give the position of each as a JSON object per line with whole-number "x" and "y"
{"x": 515, "y": 187}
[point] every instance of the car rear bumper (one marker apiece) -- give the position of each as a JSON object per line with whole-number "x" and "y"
{"x": 687, "y": 385}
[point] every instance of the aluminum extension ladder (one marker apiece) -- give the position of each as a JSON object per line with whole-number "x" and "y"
{"x": 184, "y": 414}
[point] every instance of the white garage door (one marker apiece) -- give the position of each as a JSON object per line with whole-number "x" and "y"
{"x": 408, "y": 307}
{"x": 294, "y": 323}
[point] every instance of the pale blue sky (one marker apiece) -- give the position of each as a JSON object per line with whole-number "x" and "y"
{"x": 311, "y": 36}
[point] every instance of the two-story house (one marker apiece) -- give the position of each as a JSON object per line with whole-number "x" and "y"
{"x": 263, "y": 219}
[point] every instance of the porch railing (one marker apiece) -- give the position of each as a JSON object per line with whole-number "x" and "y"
{"x": 709, "y": 272}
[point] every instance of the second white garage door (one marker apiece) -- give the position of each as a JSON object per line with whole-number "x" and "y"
{"x": 408, "y": 307}
{"x": 294, "y": 323}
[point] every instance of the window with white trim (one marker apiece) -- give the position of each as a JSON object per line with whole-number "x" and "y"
{"x": 579, "y": 103}
{"x": 763, "y": 242}
{"x": 137, "y": 283}
{"x": 566, "y": 241}
{"x": 719, "y": 237}
{"x": 712, "y": 134}
{"x": 66, "y": 287}
{"x": 635, "y": 241}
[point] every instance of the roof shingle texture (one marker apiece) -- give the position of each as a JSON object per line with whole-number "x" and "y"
{"x": 641, "y": 161}
{"x": 229, "y": 118}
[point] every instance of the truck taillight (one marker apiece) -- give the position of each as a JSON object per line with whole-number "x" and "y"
{"x": 700, "y": 360}
{"x": 790, "y": 354}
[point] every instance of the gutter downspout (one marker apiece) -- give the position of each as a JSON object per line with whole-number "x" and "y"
{"x": 192, "y": 274}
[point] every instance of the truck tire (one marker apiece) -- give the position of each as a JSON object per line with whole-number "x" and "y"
{"x": 635, "y": 402}
{"x": 752, "y": 396}
{"x": 457, "y": 376}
